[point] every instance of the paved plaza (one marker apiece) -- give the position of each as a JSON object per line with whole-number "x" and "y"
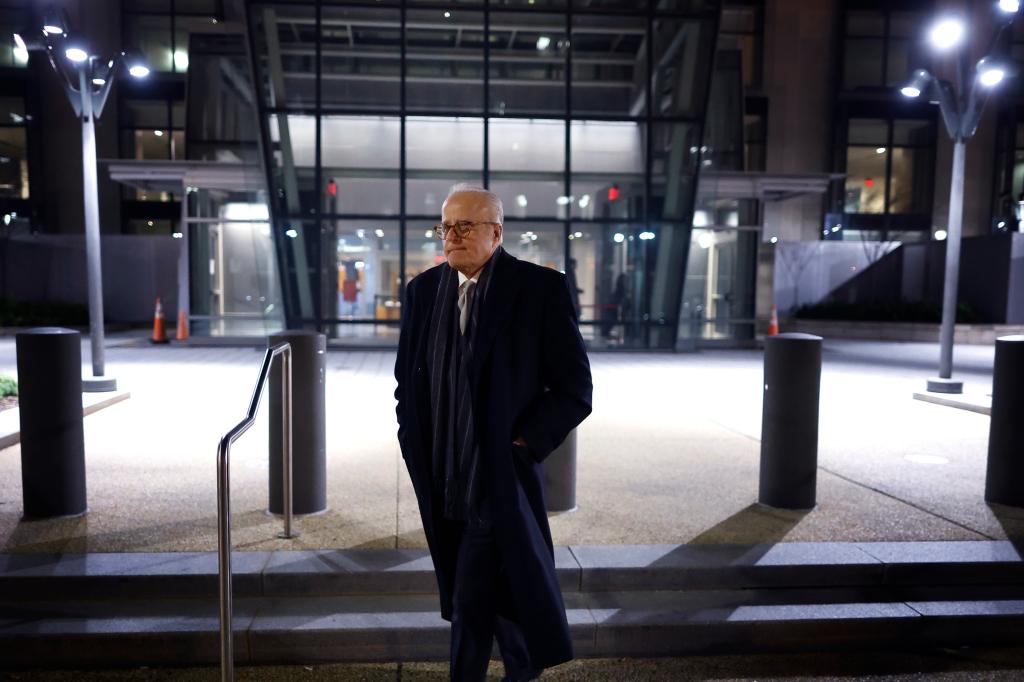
{"x": 669, "y": 455}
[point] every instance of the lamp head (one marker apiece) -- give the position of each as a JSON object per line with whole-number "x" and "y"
{"x": 55, "y": 22}
{"x": 135, "y": 63}
{"x": 1009, "y": 6}
{"x": 991, "y": 71}
{"x": 918, "y": 82}
{"x": 76, "y": 52}
{"x": 947, "y": 33}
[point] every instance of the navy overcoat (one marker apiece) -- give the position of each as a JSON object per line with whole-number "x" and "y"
{"x": 530, "y": 377}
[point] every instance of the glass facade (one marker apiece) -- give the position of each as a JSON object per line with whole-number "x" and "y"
{"x": 587, "y": 123}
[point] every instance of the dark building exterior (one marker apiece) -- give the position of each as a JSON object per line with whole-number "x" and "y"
{"x": 299, "y": 151}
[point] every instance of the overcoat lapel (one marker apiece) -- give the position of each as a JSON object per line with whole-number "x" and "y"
{"x": 504, "y": 287}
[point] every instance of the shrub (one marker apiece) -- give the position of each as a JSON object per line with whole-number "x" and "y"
{"x": 42, "y": 314}
{"x": 8, "y": 386}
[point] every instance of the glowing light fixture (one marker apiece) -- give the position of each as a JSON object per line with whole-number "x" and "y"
{"x": 946, "y": 33}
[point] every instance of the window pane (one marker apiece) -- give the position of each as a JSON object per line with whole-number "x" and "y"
{"x": 865, "y": 23}
{"x": 527, "y": 63}
{"x": 12, "y": 110}
{"x": 607, "y": 160}
{"x": 738, "y": 19}
{"x": 361, "y": 58}
{"x": 898, "y": 69}
{"x": 363, "y": 277}
{"x": 532, "y": 4}
{"x": 144, "y": 114}
{"x": 440, "y": 152}
{"x": 679, "y": 76}
{"x": 747, "y": 46}
{"x": 148, "y": 144}
{"x": 905, "y": 24}
{"x": 13, "y": 164}
{"x": 445, "y": 60}
{"x": 177, "y": 144}
{"x": 293, "y": 163}
{"x": 285, "y": 41}
{"x": 183, "y": 27}
{"x": 539, "y": 243}
{"x": 598, "y": 5}
{"x": 719, "y": 287}
{"x": 912, "y": 132}
{"x": 12, "y": 20}
{"x": 612, "y": 295}
{"x": 423, "y": 250}
{"x": 673, "y": 165}
{"x": 1018, "y": 176}
{"x": 527, "y": 166}
{"x": 912, "y": 173}
{"x": 608, "y": 65}
{"x": 151, "y": 35}
{"x": 865, "y": 180}
{"x": 360, "y": 156}
{"x": 868, "y": 131}
{"x": 862, "y": 63}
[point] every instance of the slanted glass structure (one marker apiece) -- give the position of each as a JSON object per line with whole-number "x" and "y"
{"x": 585, "y": 116}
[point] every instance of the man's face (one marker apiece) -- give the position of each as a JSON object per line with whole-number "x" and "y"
{"x": 468, "y": 254}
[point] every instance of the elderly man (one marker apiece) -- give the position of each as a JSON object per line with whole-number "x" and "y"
{"x": 492, "y": 375}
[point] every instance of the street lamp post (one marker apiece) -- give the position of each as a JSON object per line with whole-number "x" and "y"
{"x": 87, "y": 79}
{"x": 960, "y": 116}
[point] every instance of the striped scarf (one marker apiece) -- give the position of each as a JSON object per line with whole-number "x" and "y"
{"x": 455, "y": 451}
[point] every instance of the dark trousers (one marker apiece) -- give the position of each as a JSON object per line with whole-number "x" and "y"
{"x": 479, "y": 583}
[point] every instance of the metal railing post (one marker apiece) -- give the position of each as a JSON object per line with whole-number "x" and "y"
{"x": 227, "y": 655}
{"x": 286, "y": 446}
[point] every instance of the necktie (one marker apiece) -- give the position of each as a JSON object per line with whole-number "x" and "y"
{"x": 465, "y": 301}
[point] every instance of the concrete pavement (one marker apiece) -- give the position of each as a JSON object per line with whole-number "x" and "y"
{"x": 670, "y": 455}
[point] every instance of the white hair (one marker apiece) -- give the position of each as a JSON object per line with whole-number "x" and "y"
{"x": 487, "y": 195}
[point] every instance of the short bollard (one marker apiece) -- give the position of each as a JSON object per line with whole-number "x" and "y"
{"x": 50, "y": 410}
{"x": 560, "y": 476}
{"x": 789, "y": 426}
{"x": 309, "y": 434}
{"x": 1004, "y": 479}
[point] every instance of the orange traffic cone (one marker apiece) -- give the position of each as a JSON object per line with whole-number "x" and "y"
{"x": 159, "y": 326}
{"x": 182, "y": 332}
{"x": 773, "y": 325}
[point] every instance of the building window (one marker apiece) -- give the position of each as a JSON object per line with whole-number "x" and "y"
{"x": 742, "y": 28}
{"x": 880, "y": 47}
{"x": 152, "y": 130}
{"x": 586, "y": 123}
{"x": 889, "y": 167}
{"x": 11, "y": 21}
{"x": 13, "y": 149}
{"x": 1008, "y": 187}
{"x": 160, "y": 29}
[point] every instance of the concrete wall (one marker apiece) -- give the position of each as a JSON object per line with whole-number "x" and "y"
{"x": 991, "y": 274}
{"x": 800, "y": 42}
{"x": 807, "y": 272}
{"x": 136, "y": 269}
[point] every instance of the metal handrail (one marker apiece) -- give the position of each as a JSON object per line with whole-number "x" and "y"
{"x": 284, "y": 349}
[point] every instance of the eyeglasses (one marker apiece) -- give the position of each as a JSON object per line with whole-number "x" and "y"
{"x": 462, "y": 228}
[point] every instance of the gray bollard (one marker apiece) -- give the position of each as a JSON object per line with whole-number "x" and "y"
{"x": 50, "y": 410}
{"x": 309, "y": 435}
{"x": 789, "y": 425}
{"x": 1004, "y": 478}
{"x": 560, "y": 476}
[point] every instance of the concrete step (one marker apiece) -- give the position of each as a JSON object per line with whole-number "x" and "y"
{"x": 580, "y": 569}
{"x": 63, "y": 634}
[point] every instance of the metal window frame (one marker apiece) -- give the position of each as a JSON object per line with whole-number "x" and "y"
{"x": 710, "y": 22}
